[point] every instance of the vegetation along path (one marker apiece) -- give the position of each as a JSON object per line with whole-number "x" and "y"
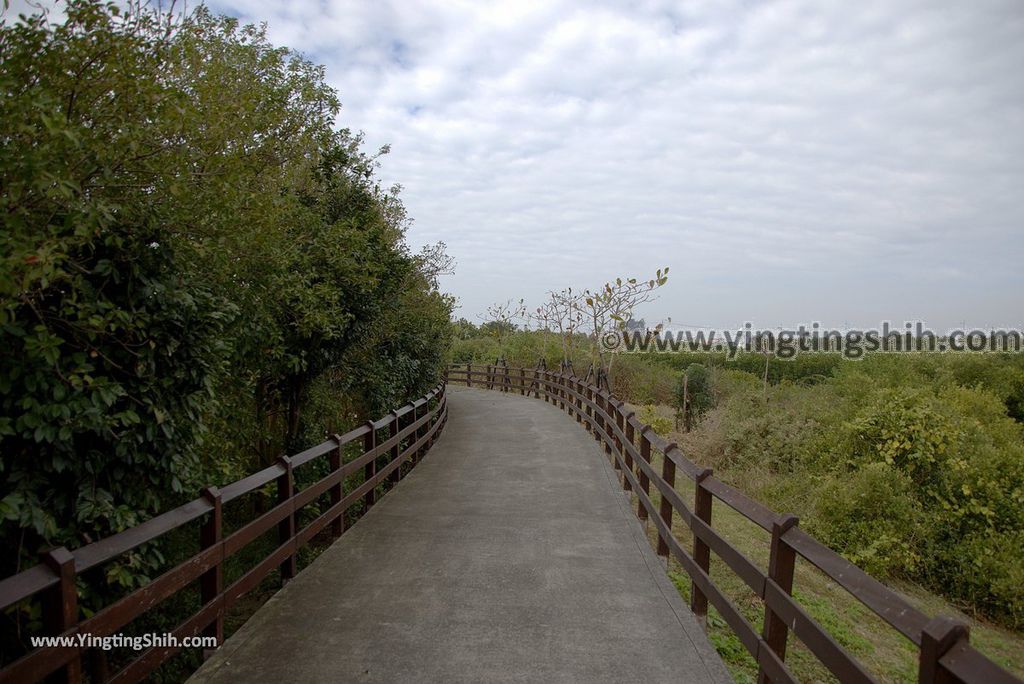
{"x": 510, "y": 553}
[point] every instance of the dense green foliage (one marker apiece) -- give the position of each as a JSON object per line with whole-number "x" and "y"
{"x": 911, "y": 465}
{"x": 199, "y": 272}
{"x": 693, "y": 391}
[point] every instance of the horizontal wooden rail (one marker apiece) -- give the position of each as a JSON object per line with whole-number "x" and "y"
{"x": 945, "y": 653}
{"x": 412, "y": 430}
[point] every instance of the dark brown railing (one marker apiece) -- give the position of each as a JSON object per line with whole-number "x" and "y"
{"x": 945, "y": 655}
{"x": 411, "y": 431}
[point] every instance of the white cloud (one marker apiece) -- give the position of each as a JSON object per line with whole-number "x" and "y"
{"x": 790, "y": 160}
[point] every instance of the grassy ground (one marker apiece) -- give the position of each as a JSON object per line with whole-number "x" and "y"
{"x": 881, "y": 649}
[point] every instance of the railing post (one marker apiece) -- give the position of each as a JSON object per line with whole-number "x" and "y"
{"x": 645, "y": 481}
{"x": 605, "y": 405}
{"x": 522, "y": 381}
{"x": 60, "y": 608}
{"x": 939, "y": 635}
{"x": 396, "y": 474}
{"x": 370, "y": 469}
{"x": 438, "y": 398}
{"x": 336, "y": 491}
{"x": 616, "y": 410}
{"x": 424, "y": 429}
{"x": 490, "y": 378}
{"x": 570, "y": 397}
{"x": 427, "y": 424}
{"x": 469, "y": 375}
{"x": 781, "y": 565}
{"x": 577, "y": 401}
{"x": 589, "y": 393}
{"x": 211, "y": 582}
{"x": 702, "y": 502}
{"x": 668, "y": 473}
{"x": 99, "y": 666}
{"x": 547, "y": 387}
{"x": 286, "y": 528}
{"x": 507, "y": 382}
{"x": 631, "y": 438}
{"x": 417, "y": 434}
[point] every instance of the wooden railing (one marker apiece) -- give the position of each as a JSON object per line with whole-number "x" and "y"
{"x": 410, "y": 432}
{"x": 945, "y": 654}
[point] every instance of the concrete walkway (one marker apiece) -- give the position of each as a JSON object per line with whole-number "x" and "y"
{"x": 508, "y": 554}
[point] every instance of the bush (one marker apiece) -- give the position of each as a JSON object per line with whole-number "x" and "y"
{"x": 873, "y": 518}
{"x": 649, "y": 416}
{"x": 985, "y": 570}
{"x": 904, "y": 429}
{"x": 695, "y": 384}
{"x": 895, "y": 464}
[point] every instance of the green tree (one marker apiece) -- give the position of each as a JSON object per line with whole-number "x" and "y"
{"x": 693, "y": 395}
{"x": 189, "y": 248}
{"x": 110, "y": 344}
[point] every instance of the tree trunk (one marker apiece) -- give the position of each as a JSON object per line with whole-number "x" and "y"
{"x": 296, "y": 388}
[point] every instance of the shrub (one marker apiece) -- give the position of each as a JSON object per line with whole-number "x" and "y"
{"x": 872, "y": 517}
{"x": 985, "y": 570}
{"x": 695, "y": 382}
{"x": 905, "y": 429}
{"x": 649, "y": 416}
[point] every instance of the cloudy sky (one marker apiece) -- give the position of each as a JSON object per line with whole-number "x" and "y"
{"x": 791, "y": 161}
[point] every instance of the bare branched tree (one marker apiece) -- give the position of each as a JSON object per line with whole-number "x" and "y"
{"x": 502, "y": 318}
{"x": 562, "y": 313}
{"x": 611, "y": 306}
{"x": 575, "y": 316}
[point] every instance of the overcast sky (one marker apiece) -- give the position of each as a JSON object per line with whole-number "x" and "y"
{"x": 791, "y": 161}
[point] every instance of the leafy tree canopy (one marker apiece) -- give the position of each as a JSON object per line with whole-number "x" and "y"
{"x": 190, "y": 251}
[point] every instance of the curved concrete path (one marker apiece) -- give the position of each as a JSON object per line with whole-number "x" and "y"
{"x": 508, "y": 554}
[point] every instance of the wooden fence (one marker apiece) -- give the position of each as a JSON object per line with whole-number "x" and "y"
{"x": 410, "y": 432}
{"x": 945, "y": 654}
